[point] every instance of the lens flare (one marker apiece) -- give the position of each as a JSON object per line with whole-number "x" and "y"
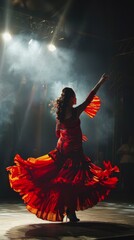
{"x": 51, "y": 47}
{"x": 6, "y": 36}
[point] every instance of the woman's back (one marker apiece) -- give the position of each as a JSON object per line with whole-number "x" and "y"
{"x": 70, "y": 138}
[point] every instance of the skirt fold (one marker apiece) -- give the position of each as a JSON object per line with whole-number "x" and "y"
{"x": 48, "y": 190}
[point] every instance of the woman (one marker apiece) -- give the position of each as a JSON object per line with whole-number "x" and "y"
{"x": 65, "y": 180}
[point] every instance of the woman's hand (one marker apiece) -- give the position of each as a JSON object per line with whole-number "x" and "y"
{"x": 103, "y": 78}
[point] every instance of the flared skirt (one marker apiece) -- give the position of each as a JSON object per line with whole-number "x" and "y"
{"x": 51, "y": 184}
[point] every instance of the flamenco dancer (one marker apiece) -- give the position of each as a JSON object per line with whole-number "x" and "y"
{"x": 65, "y": 180}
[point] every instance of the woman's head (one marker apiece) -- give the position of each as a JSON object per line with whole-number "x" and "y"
{"x": 67, "y": 99}
{"x": 68, "y": 95}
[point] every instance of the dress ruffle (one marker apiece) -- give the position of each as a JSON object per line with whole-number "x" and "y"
{"x": 51, "y": 183}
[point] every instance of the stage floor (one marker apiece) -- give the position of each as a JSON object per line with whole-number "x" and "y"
{"x": 107, "y": 220}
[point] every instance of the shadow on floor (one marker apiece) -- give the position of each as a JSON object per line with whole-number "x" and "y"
{"x": 67, "y": 230}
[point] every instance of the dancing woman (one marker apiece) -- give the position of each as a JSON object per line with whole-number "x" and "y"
{"x": 65, "y": 180}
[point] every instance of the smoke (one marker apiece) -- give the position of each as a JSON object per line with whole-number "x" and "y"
{"x": 51, "y": 69}
{"x": 37, "y": 62}
{"x": 24, "y": 62}
{"x": 54, "y": 70}
{"x": 7, "y": 101}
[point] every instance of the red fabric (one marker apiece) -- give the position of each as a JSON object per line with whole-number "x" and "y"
{"x": 64, "y": 178}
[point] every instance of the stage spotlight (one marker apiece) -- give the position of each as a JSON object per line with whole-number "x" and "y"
{"x": 51, "y": 47}
{"x": 6, "y": 36}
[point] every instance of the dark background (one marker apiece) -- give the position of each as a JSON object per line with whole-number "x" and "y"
{"x": 101, "y": 33}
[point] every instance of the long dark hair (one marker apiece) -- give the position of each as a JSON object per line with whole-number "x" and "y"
{"x": 61, "y": 103}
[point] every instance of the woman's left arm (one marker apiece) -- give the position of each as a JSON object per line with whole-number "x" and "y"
{"x": 82, "y": 106}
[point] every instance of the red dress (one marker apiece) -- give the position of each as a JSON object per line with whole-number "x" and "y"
{"x": 63, "y": 178}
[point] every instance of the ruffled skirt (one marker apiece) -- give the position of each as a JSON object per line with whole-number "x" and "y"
{"x": 52, "y": 183}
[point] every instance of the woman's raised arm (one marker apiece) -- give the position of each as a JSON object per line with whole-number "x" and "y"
{"x": 82, "y": 106}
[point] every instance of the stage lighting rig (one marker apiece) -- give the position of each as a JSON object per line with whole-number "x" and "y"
{"x": 23, "y": 23}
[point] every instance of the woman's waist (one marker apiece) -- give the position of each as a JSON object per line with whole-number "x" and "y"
{"x": 70, "y": 150}
{"x": 69, "y": 145}
{"x": 73, "y": 138}
{"x": 77, "y": 140}
{"x": 70, "y": 131}
{"x": 70, "y": 135}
